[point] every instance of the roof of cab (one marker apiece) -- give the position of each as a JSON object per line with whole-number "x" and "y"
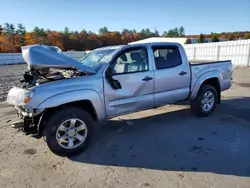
{"x": 118, "y": 47}
{"x": 160, "y": 39}
{"x": 154, "y": 44}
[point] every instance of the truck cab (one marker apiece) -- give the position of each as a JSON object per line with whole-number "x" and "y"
{"x": 149, "y": 76}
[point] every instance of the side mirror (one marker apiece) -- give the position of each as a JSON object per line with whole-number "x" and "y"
{"x": 115, "y": 84}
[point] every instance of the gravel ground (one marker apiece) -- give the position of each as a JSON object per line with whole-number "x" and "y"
{"x": 163, "y": 147}
{"x": 10, "y": 75}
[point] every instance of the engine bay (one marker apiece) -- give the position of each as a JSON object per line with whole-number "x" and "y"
{"x": 45, "y": 75}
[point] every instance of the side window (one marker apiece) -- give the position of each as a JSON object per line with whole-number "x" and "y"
{"x": 134, "y": 60}
{"x": 166, "y": 57}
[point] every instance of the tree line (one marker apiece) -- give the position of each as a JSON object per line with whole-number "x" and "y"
{"x": 13, "y": 37}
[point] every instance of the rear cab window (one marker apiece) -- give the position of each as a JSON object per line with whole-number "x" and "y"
{"x": 166, "y": 56}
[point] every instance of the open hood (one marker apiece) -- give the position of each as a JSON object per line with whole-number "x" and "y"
{"x": 42, "y": 56}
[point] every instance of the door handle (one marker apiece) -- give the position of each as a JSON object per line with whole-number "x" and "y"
{"x": 147, "y": 78}
{"x": 182, "y": 73}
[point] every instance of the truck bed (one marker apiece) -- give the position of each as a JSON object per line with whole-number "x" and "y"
{"x": 211, "y": 69}
{"x": 204, "y": 62}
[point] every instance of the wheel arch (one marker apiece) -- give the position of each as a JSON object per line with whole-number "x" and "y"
{"x": 216, "y": 84}
{"x": 87, "y": 100}
{"x": 82, "y": 104}
{"x": 212, "y": 78}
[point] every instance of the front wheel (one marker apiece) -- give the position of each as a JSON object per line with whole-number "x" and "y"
{"x": 205, "y": 102}
{"x": 68, "y": 131}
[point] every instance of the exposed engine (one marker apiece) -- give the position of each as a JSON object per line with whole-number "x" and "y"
{"x": 45, "y": 75}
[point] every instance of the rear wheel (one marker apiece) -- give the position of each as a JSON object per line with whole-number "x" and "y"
{"x": 205, "y": 102}
{"x": 68, "y": 131}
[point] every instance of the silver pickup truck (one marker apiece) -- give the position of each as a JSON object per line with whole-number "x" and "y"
{"x": 63, "y": 99}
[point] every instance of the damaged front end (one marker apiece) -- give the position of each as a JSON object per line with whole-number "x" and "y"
{"x": 19, "y": 98}
{"x": 45, "y": 64}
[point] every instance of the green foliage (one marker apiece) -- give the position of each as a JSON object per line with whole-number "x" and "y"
{"x": 9, "y": 28}
{"x": 103, "y": 30}
{"x": 83, "y": 31}
{"x": 181, "y": 31}
{"x": 214, "y": 37}
{"x": 36, "y": 31}
{"x": 90, "y": 32}
{"x": 39, "y": 32}
{"x": 172, "y": 33}
{"x": 66, "y": 31}
{"x": 165, "y": 34}
{"x": 201, "y": 38}
{"x": 20, "y": 29}
{"x": 124, "y": 31}
{"x": 176, "y": 32}
{"x": 145, "y": 33}
{"x": 156, "y": 33}
{"x": 247, "y": 36}
{"x": 128, "y": 31}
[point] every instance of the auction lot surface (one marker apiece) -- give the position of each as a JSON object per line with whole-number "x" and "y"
{"x": 164, "y": 147}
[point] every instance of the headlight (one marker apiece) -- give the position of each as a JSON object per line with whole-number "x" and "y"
{"x": 27, "y": 96}
{"x": 19, "y": 96}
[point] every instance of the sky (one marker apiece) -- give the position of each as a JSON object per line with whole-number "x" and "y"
{"x": 196, "y": 16}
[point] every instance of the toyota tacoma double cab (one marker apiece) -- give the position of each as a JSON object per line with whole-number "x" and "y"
{"x": 62, "y": 99}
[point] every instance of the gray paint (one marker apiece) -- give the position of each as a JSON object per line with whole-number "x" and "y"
{"x": 166, "y": 87}
{"x": 42, "y": 56}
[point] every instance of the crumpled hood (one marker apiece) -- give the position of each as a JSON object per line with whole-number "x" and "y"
{"x": 42, "y": 56}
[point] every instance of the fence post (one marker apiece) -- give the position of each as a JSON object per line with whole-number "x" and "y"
{"x": 218, "y": 53}
{"x": 194, "y": 52}
{"x": 248, "y": 58}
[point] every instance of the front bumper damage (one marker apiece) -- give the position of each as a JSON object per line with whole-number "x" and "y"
{"x": 30, "y": 121}
{"x": 30, "y": 115}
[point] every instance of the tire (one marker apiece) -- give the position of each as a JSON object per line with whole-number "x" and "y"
{"x": 60, "y": 129}
{"x": 199, "y": 103}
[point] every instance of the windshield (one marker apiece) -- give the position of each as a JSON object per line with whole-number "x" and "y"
{"x": 95, "y": 59}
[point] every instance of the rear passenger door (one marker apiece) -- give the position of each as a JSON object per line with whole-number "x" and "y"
{"x": 172, "y": 75}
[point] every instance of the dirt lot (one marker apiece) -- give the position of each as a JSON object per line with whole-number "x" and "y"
{"x": 164, "y": 147}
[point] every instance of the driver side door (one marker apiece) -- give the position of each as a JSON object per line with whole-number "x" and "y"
{"x": 131, "y": 70}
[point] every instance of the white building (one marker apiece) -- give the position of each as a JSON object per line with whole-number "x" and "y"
{"x": 178, "y": 40}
